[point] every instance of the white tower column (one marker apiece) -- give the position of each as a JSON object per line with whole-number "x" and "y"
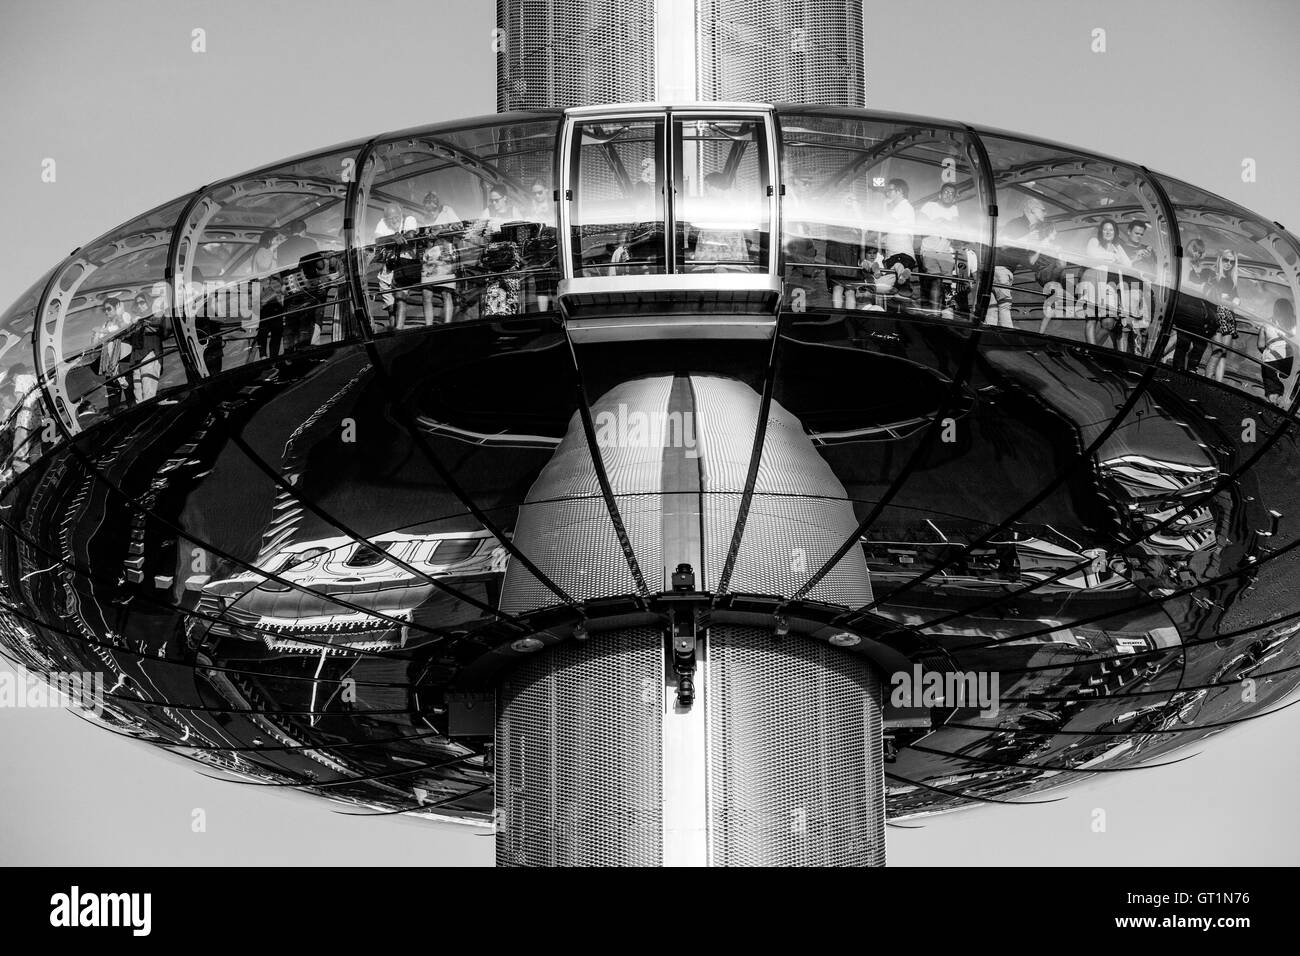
{"x": 675, "y": 51}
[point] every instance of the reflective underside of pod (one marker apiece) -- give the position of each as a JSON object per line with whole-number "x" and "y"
{"x": 344, "y": 570}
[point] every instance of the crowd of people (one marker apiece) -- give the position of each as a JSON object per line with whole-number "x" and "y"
{"x": 879, "y": 252}
{"x": 295, "y": 293}
{"x": 451, "y": 265}
{"x": 891, "y": 256}
{"x": 126, "y": 350}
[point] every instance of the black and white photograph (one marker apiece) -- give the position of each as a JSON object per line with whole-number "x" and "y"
{"x": 650, "y": 433}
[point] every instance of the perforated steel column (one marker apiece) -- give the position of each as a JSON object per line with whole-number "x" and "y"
{"x": 578, "y": 773}
{"x": 796, "y": 762}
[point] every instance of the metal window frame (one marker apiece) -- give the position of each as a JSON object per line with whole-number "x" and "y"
{"x": 667, "y": 150}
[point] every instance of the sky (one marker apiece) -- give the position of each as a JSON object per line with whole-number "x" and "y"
{"x": 132, "y": 116}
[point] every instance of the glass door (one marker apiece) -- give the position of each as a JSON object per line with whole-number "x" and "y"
{"x": 721, "y": 194}
{"x": 618, "y": 197}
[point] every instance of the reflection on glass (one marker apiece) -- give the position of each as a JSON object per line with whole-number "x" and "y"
{"x": 21, "y": 407}
{"x": 458, "y": 224}
{"x": 618, "y": 198}
{"x": 388, "y": 573}
{"x": 881, "y": 217}
{"x": 1235, "y": 320}
{"x": 720, "y": 189}
{"x": 261, "y": 267}
{"x": 1084, "y": 248}
{"x": 104, "y": 341}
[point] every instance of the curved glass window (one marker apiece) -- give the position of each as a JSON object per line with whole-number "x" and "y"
{"x": 1084, "y": 247}
{"x": 881, "y": 216}
{"x": 458, "y": 224}
{"x": 1236, "y": 314}
{"x": 260, "y": 266}
{"x": 104, "y": 342}
{"x": 22, "y": 408}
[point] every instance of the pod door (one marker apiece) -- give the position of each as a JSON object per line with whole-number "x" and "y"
{"x": 669, "y": 213}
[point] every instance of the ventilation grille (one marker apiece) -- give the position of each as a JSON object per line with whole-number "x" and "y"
{"x": 796, "y": 767}
{"x": 565, "y": 527}
{"x": 798, "y": 515}
{"x": 561, "y": 53}
{"x": 578, "y": 744}
{"x": 793, "y": 51}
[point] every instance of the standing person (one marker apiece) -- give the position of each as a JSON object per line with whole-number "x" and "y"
{"x": 645, "y": 190}
{"x": 400, "y": 266}
{"x": 498, "y": 211}
{"x": 437, "y": 277}
{"x": 540, "y": 251}
{"x": 1101, "y": 281}
{"x": 264, "y": 256}
{"x": 937, "y": 260}
{"x": 437, "y": 255}
{"x": 298, "y": 294}
{"x": 297, "y": 246}
{"x": 500, "y": 259}
{"x": 1194, "y": 319}
{"x": 1222, "y": 294}
{"x": 113, "y": 355}
{"x": 1276, "y": 349}
{"x": 1026, "y": 242}
{"x": 964, "y": 276}
{"x": 146, "y": 341}
{"x": 1143, "y": 258}
{"x": 270, "y": 320}
{"x": 541, "y": 208}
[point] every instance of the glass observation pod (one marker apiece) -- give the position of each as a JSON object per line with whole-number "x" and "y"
{"x": 670, "y": 214}
{"x": 652, "y": 221}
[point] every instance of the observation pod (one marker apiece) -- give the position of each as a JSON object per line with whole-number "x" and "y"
{"x": 664, "y": 483}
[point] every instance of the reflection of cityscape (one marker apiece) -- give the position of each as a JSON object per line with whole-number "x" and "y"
{"x": 365, "y": 572}
{"x": 310, "y": 464}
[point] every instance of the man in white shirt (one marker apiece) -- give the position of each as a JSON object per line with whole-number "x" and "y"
{"x": 394, "y": 222}
{"x": 897, "y": 258}
{"x": 899, "y": 240}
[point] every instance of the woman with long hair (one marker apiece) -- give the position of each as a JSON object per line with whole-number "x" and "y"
{"x": 1221, "y": 291}
{"x": 1102, "y": 282}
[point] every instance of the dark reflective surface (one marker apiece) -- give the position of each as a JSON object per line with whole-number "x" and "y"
{"x": 280, "y": 577}
{"x": 294, "y": 567}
